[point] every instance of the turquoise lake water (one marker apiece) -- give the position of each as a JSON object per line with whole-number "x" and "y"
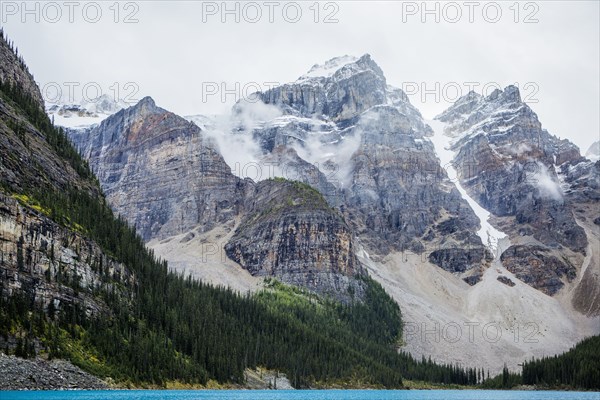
{"x": 300, "y": 395}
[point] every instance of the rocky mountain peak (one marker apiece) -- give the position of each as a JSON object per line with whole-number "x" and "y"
{"x": 138, "y": 124}
{"x": 162, "y": 173}
{"x": 159, "y": 171}
{"x": 472, "y": 101}
{"x": 464, "y": 105}
{"x": 362, "y": 144}
{"x": 338, "y": 90}
{"x": 472, "y": 95}
{"x": 509, "y": 95}
{"x": 498, "y": 115}
{"x": 146, "y": 106}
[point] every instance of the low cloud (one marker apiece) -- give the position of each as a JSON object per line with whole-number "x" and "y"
{"x": 232, "y": 134}
{"x": 546, "y": 184}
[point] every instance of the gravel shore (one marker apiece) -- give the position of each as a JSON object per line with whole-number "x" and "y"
{"x": 19, "y": 374}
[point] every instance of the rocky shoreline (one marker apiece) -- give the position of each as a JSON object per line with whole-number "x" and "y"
{"x": 38, "y": 374}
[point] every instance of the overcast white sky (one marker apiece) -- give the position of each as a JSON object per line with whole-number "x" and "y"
{"x": 177, "y": 51}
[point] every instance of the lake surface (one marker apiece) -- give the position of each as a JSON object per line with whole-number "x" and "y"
{"x": 300, "y": 395}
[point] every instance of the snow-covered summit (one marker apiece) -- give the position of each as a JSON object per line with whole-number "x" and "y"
{"x": 329, "y": 67}
{"x": 593, "y": 152}
{"x": 84, "y": 113}
{"x": 343, "y": 67}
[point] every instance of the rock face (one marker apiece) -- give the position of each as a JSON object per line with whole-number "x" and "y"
{"x": 343, "y": 130}
{"x": 404, "y": 199}
{"x": 19, "y": 374}
{"x": 159, "y": 172}
{"x": 580, "y": 181}
{"x": 507, "y": 162}
{"x": 293, "y": 167}
{"x": 534, "y": 266}
{"x": 48, "y": 263}
{"x": 526, "y": 177}
{"x": 290, "y": 232}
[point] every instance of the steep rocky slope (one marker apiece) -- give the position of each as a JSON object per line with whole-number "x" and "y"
{"x": 41, "y": 259}
{"x": 52, "y": 265}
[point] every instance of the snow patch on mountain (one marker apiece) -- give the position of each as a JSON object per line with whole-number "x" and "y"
{"x": 489, "y": 235}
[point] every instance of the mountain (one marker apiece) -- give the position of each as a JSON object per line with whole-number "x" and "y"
{"x": 370, "y": 144}
{"x": 159, "y": 171}
{"x": 525, "y": 177}
{"x": 166, "y": 176}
